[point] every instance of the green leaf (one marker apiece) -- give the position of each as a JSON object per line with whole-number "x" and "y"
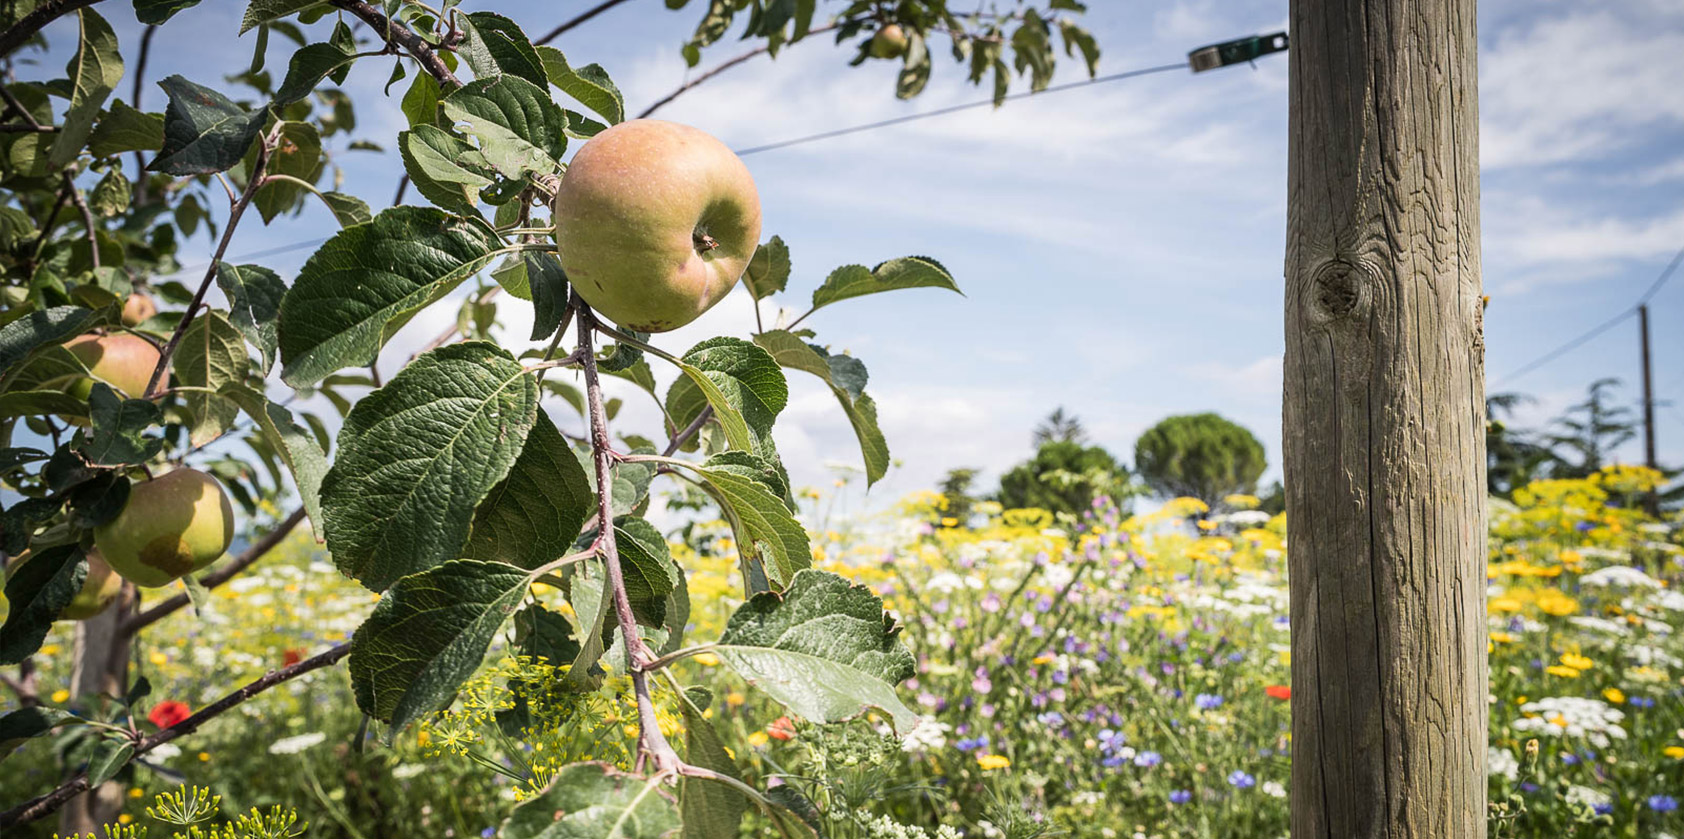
{"x": 421, "y": 101}
{"x": 428, "y": 635}
{"x": 519, "y": 129}
{"x": 118, "y": 435}
{"x": 740, "y": 380}
{"x": 212, "y": 353}
{"x": 766, "y": 531}
{"x": 1077, "y": 38}
{"x": 109, "y": 758}
{"x": 646, "y": 564}
{"x": 587, "y": 593}
{"x": 495, "y": 45}
{"x": 548, "y": 285}
{"x": 594, "y": 801}
{"x": 111, "y": 196}
{"x": 254, "y": 301}
{"x": 915, "y": 66}
{"x": 298, "y": 154}
{"x": 541, "y": 633}
{"x": 307, "y": 69}
{"x": 532, "y": 516}
{"x": 348, "y": 210}
{"x": 417, "y": 456}
{"x": 94, "y": 71}
{"x": 37, "y": 591}
{"x": 434, "y": 160}
{"x": 367, "y": 280}
{"x": 124, "y": 129}
{"x": 712, "y": 810}
{"x": 295, "y": 444}
{"x": 768, "y": 270}
{"x": 907, "y": 272}
{"x": 35, "y": 403}
{"x": 846, "y": 377}
{"x": 24, "y": 724}
{"x": 152, "y": 12}
{"x": 22, "y": 337}
{"x": 264, "y": 11}
{"x": 204, "y": 131}
{"x": 589, "y": 85}
{"x": 824, "y": 648}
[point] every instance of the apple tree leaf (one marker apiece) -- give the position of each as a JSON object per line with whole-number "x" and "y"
{"x": 907, "y": 272}
{"x": 594, "y": 801}
{"x": 94, "y": 71}
{"x": 294, "y": 443}
{"x": 204, "y": 131}
{"x": 427, "y": 635}
{"x": 846, "y": 377}
{"x": 368, "y": 280}
{"x": 441, "y": 165}
{"x": 118, "y": 433}
{"x": 740, "y": 380}
{"x": 125, "y": 129}
{"x": 254, "y": 301}
{"x": 768, "y": 270}
{"x": 307, "y": 69}
{"x": 31, "y": 722}
{"x": 153, "y": 12}
{"x": 589, "y": 85}
{"x": 37, "y": 591}
{"x": 532, "y": 516}
{"x": 22, "y": 337}
{"x": 212, "y": 353}
{"x": 417, "y": 456}
{"x": 824, "y": 648}
{"x": 494, "y": 45}
{"x": 711, "y": 809}
{"x": 520, "y": 131}
{"x": 767, "y": 533}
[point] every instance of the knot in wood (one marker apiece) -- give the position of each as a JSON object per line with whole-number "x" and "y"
{"x": 1339, "y": 289}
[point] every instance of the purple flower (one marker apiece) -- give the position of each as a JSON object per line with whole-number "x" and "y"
{"x": 1180, "y": 796}
{"x": 1663, "y": 803}
{"x": 972, "y": 744}
{"x": 1207, "y": 701}
{"x": 1241, "y": 779}
{"x": 1148, "y": 759}
{"x": 1603, "y": 809}
{"x": 1641, "y": 702}
{"x": 1050, "y": 719}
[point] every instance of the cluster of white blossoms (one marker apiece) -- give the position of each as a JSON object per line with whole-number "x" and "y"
{"x": 1502, "y": 762}
{"x": 1572, "y": 716}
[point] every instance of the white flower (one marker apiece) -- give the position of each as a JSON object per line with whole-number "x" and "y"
{"x": 408, "y": 770}
{"x": 1587, "y": 796}
{"x": 1623, "y": 576}
{"x": 1572, "y": 716}
{"x": 164, "y": 752}
{"x": 1088, "y": 797}
{"x": 1248, "y": 518}
{"x": 928, "y": 736}
{"x": 945, "y": 582}
{"x": 1600, "y": 624}
{"x": 1671, "y": 600}
{"x": 1501, "y": 762}
{"x": 1274, "y": 789}
{"x": 296, "y": 743}
{"x": 1058, "y": 576}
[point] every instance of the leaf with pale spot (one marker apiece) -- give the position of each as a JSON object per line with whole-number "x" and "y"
{"x": 851, "y": 281}
{"x": 204, "y": 131}
{"x": 520, "y": 131}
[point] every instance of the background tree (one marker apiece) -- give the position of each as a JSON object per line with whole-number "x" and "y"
{"x": 1059, "y": 427}
{"x": 956, "y": 489}
{"x": 1587, "y": 433}
{"x": 1514, "y": 456}
{"x": 1201, "y": 456}
{"x": 1065, "y": 477}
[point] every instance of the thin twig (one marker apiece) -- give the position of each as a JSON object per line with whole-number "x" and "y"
{"x": 87, "y": 218}
{"x": 134, "y": 101}
{"x": 403, "y": 36}
{"x": 728, "y": 64}
{"x": 584, "y": 16}
{"x": 28, "y": 129}
{"x": 652, "y": 745}
{"x": 678, "y": 440}
{"x": 253, "y": 183}
{"x": 29, "y": 24}
{"x": 45, "y": 805}
{"x": 217, "y": 576}
{"x": 12, "y": 100}
{"x": 47, "y": 228}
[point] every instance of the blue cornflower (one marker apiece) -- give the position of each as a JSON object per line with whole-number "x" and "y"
{"x": 1603, "y": 808}
{"x": 1663, "y": 803}
{"x": 1641, "y": 702}
{"x": 1148, "y": 759}
{"x": 1241, "y": 779}
{"x": 1208, "y": 701}
{"x": 1050, "y": 719}
{"x": 1180, "y": 796}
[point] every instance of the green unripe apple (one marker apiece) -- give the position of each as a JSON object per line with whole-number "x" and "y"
{"x": 172, "y": 525}
{"x": 889, "y": 42}
{"x": 99, "y": 588}
{"x": 655, "y": 222}
{"x": 121, "y": 360}
{"x": 138, "y": 308}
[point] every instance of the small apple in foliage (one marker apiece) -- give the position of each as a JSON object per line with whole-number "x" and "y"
{"x": 655, "y": 222}
{"x": 138, "y": 309}
{"x": 889, "y": 42}
{"x": 99, "y": 588}
{"x": 121, "y": 360}
{"x": 172, "y": 525}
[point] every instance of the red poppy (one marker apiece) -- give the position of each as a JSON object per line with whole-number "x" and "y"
{"x": 291, "y": 657}
{"x": 781, "y": 729}
{"x": 1281, "y": 692}
{"x": 168, "y": 713}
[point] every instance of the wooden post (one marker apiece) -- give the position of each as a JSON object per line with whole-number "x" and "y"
{"x": 1383, "y": 422}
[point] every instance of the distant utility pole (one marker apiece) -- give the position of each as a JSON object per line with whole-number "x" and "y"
{"x": 1383, "y": 422}
{"x": 1653, "y": 501}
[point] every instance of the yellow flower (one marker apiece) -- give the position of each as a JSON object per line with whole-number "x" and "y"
{"x": 1577, "y": 662}
{"x": 1562, "y": 670}
{"x": 136, "y": 792}
{"x": 60, "y": 697}
{"x": 735, "y": 699}
{"x": 991, "y": 762}
{"x": 1614, "y": 695}
{"x": 1674, "y": 752}
{"x": 125, "y": 818}
{"x": 1502, "y": 637}
{"x": 758, "y": 739}
{"x": 50, "y": 650}
{"x": 204, "y": 757}
{"x": 1504, "y": 604}
{"x": 158, "y": 659}
{"x": 1555, "y": 603}
{"x": 707, "y": 659}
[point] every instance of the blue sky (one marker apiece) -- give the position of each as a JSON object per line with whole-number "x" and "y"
{"x": 1120, "y": 247}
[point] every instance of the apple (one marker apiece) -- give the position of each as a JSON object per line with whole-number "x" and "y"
{"x": 138, "y": 308}
{"x": 889, "y": 42}
{"x": 99, "y": 588}
{"x": 172, "y": 525}
{"x": 655, "y": 222}
{"x": 121, "y": 360}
